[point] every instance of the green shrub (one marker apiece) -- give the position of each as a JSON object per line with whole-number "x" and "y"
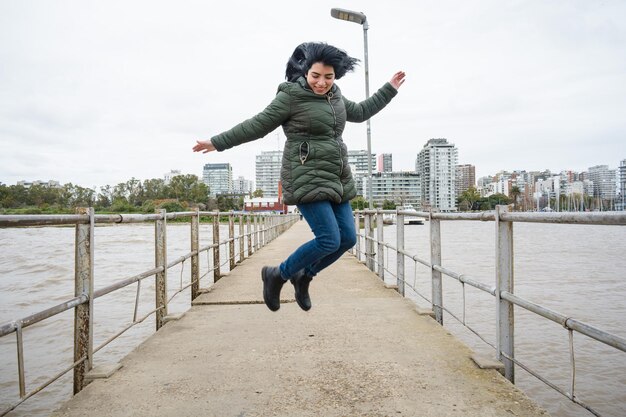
{"x": 148, "y": 206}
{"x": 32, "y": 210}
{"x": 172, "y": 206}
{"x": 122, "y": 206}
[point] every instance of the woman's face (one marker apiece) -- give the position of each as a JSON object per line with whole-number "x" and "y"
{"x": 320, "y": 78}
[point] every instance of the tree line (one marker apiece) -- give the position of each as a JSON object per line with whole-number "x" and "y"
{"x": 470, "y": 199}
{"x": 181, "y": 193}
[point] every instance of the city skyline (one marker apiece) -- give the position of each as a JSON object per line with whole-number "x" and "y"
{"x": 491, "y": 174}
{"x": 95, "y": 93}
{"x": 598, "y": 188}
{"x": 236, "y": 174}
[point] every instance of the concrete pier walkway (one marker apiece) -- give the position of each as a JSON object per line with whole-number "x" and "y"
{"x": 362, "y": 350}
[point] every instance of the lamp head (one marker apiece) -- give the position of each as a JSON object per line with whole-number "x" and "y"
{"x": 348, "y": 15}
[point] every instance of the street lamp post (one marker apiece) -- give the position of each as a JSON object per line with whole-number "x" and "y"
{"x": 361, "y": 19}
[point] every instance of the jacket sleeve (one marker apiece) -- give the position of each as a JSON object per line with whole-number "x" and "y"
{"x": 360, "y": 112}
{"x": 274, "y": 115}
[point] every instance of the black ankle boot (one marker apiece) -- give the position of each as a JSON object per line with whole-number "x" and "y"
{"x": 272, "y": 284}
{"x": 301, "y": 283}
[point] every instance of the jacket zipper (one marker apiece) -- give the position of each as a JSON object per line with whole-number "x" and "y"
{"x": 304, "y": 152}
{"x": 329, "y": 96}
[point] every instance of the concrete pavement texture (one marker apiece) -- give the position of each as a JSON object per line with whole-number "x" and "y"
{"x": 362, "y": 350}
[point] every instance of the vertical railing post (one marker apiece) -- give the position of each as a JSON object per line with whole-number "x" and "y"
{"x": 231, "y": 239}
{"x": 269, "y": 234}
{"x": 83, "y": 285}
{"x": 435, "y": 259}
{"x": 20, "y": 359}
{"x": 368, "y": 242}
{"x": 241, "y": 238}
{"x": 249, "y": 228}
{"x": 160, "y": 260}
{"x": 372, "y": 245}
{"x": 352, "y": 250}
{"x": 261, "y": 219}
{"x": 399, "y": 253}
{"x": 381, "y": 245}
{"x": 256, "y": 233}
{"x": 217, "y": 274}
{"x": 195, "y": 258}
{"x": 357, "y": 227}
{"x": 277, "y": 228}
{"x": 263, "y": 236}
{"x": 505, "y": 320}
{"x": 274, "y": 227}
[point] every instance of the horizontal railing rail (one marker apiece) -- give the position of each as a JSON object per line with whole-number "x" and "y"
{"x": 374, "y": 254}
{"x": 257, "y": 229}
{"x": 35, "y": 318}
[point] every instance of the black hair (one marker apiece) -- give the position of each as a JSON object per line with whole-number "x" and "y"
{"x": 309, "y": 53}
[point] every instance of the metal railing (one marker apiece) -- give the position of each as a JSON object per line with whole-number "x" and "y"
{"x": 502, "y": 290}
{"x": 260, "y": 230}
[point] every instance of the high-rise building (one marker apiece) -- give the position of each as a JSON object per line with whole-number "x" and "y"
{"x": 502, "y": 183}
{"x": 267, "y": 172}
{"x": 579, "y": 188}
{"x": 243, "y": 186}
{"x": 603, "y": 180}
{"x": 465, "y": 178}
{"x": 622, "y": 186}
{"x": 568, "y": 176}
{"x": 483, "y": 181}
{"x": 400, "y": 187}
{"x": 358, "y": 165}
{"x": 482, "y": 185}
{"x": 436, "y": 164}
{"x": 384, "y": 163}
{"x": 219, "y": 178}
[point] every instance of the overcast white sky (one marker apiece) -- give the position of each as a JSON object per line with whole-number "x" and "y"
{"x": 97, "y": 92}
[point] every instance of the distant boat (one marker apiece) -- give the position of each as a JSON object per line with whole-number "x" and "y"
{"x": 391, "y": 218}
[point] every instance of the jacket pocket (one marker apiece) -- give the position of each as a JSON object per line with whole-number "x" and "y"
{"x": 304, "y": 152}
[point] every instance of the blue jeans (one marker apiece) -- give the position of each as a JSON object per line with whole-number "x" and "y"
{"x": 333, "y": 227}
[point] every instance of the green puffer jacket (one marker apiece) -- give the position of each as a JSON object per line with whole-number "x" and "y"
{"x": 315, "y": 159}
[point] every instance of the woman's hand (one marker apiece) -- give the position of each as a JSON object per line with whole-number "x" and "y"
{"x": 204, "y": 146}
{"x": 398, "y": 79}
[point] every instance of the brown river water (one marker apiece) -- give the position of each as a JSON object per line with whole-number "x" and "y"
{"x": 577, "y": 270}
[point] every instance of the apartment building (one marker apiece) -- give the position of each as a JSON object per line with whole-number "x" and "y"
{"x": 436, "y": 163}
{"x": 400, "y": 187}
{"x": 357, "y": 159}
{"x": 243, "y": 186}
{"x": 219, "y": 178}
{"x": 267, "y": 171}
{"x": 384, "y": 163}
{"x": 465, "y": 178}
{"x": 621, "y": 203}
{"x": 604, "y": 182}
